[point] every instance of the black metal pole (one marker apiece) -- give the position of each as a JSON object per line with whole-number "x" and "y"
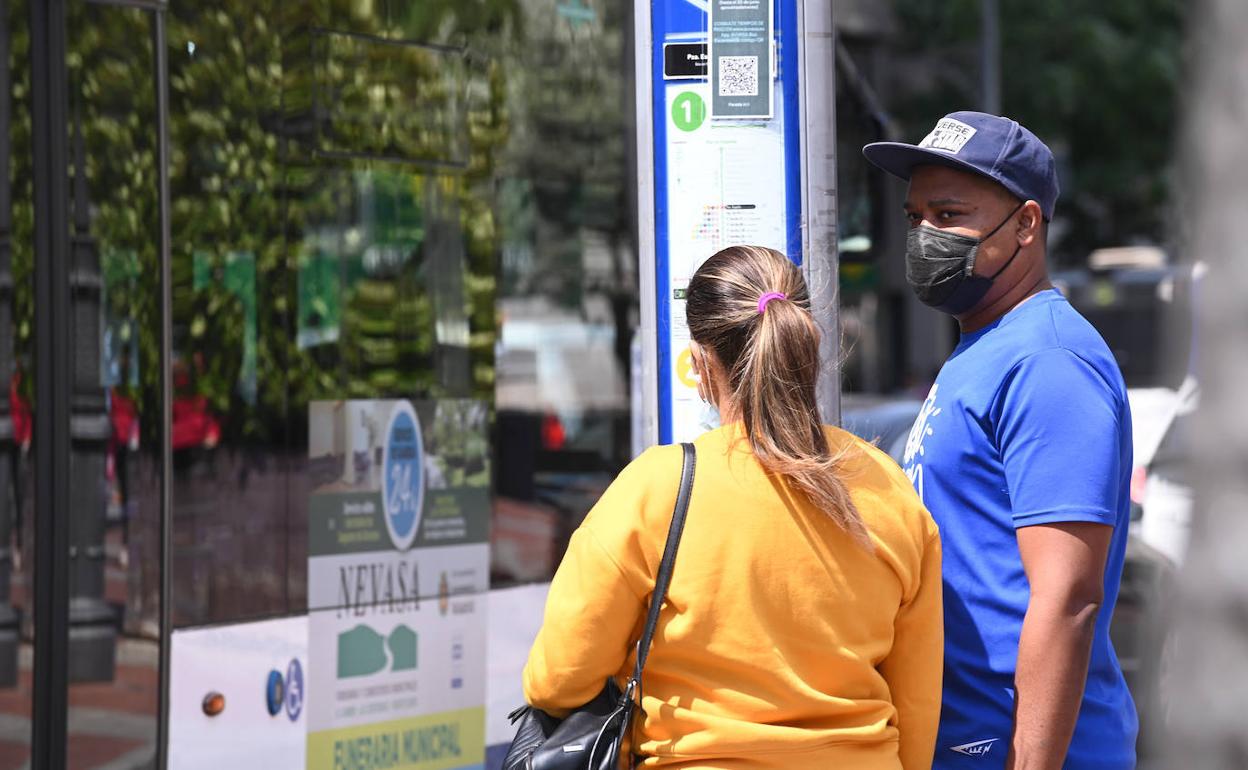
{"x": 92, "y": 624}
{"x": 166, "y": 382}
{"x": 52, "y": 384}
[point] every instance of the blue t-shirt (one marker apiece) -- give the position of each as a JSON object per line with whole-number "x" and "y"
{"x": 1028, "y": 423}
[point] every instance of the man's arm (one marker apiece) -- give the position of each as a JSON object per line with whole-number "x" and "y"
{"x": 1063, "y": 430}
{"x": 1065, "y": 565}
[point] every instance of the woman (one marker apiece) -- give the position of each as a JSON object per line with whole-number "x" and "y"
{"x": 802, "y": 627}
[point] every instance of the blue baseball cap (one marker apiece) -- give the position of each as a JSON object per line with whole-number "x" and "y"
{"x": 991, "y": 146}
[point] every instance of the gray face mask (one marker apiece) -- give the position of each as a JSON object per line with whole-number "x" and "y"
{"x": 940, "y": 267}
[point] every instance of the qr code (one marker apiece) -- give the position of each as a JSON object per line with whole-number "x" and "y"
{"x": 738, "y": 76}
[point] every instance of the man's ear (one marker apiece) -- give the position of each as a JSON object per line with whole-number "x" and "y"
{"x": 1030, "y": 224}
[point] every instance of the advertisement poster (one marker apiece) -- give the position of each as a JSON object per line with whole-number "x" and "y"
{"x": 398, "y": 568}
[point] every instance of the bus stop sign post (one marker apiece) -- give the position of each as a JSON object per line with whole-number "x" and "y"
{"x": 736, "y": 145}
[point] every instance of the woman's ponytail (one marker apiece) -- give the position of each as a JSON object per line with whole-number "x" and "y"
{"x": 750, "y": 306}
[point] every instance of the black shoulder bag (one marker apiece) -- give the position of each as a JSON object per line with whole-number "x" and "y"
{"x": 593, "y": 736}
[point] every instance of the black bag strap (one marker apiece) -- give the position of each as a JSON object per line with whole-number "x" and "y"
{"x": 664, "y": 577}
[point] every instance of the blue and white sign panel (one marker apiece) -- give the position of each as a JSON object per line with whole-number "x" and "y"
{"x": 719, "y": 181}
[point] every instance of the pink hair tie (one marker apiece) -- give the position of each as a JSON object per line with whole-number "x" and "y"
{"x": 768, "y": 297}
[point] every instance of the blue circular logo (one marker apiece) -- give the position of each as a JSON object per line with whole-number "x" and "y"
{"x": 403, "y": 489}
{"x": 274, "y": 693}
{"x": 294, "y": 689}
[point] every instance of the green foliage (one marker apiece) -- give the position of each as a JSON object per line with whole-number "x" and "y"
{"x": 21, "y": 190}
{"x": 1099, "y": 82}
{"x": 286, "y": 144}
{"x": 321, "y": 152}
{"x": 567, "y": 165}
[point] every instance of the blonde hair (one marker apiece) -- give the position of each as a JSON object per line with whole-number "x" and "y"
{"x": 772, "y": 360}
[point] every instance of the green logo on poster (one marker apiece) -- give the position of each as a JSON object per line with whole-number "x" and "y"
{"x": 362, "y": 651}
{"x": 688, "y": 111}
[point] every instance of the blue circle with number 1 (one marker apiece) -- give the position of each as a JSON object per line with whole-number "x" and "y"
{"x": 403, "y": 492}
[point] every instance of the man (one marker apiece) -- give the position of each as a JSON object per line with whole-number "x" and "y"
{"x": 1022, "y": 452}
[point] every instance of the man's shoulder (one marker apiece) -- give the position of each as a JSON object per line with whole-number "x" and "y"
{"x": 1053, "y": 329}
{"x": 1076, "y": 337}
{"x": 1038, "y": 341}
{"x": 983, "y": 362}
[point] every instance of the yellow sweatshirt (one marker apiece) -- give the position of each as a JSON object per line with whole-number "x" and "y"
{"x": 783, "y": 643}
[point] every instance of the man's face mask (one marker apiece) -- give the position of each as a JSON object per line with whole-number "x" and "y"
{"x": 940, "y": 267}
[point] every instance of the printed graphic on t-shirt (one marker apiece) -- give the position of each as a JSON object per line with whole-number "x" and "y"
{"x": 914, "y": 444}
{"x": 975, "y": 748}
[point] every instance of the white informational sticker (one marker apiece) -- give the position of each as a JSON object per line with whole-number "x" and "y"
{"x": 259, "y": 671}
{"x": 725, "y": 187}
{"x": 742, "y": 59}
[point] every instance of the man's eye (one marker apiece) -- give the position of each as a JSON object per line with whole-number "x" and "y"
{"x": 946, "y": 216}
{"x": 912, "y": 217}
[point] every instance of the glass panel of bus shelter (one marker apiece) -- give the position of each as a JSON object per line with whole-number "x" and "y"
{"x": 347, "y": 178}
{"x": 115, "y": 310}
{"x": 231, "y": 553}
{"x": 16, "y": 345}
{"x": 334, "y": 243}
{"x": 115, "y": 468}
{"x": 394, "y": 245}
{"x": 568, "y": 283}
